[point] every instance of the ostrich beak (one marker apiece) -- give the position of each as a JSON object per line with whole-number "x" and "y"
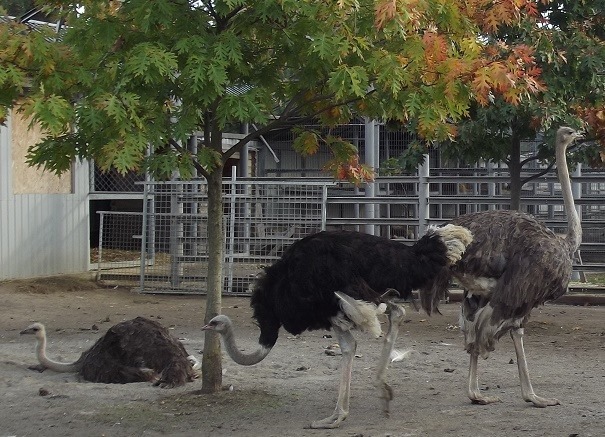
{"x": 27, "y": 331}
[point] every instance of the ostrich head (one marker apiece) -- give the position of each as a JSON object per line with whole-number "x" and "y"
{"x": 37, "y": 329}
{"x": 567, "y": 135}
{"x": 219, "y": 324}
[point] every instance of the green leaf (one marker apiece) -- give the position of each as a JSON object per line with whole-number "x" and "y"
{"x": 349, "y": 81}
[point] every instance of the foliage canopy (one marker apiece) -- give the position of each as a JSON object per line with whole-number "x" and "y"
{"x": 126, "y": 74}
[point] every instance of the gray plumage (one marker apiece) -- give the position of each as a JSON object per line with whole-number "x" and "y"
{"x": 514, "y": 264}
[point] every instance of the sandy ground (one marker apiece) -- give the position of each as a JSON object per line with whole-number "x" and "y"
{"x": 297, "y": 382}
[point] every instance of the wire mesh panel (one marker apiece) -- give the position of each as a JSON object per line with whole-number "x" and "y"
{"x": 118, "y": 254}
{"x": 112, "y": 181}
{"x": 261, "y": 219}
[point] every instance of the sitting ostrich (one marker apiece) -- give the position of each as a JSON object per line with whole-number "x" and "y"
{"x": 131, "y": 351}
{"x": 340, "y": 280}
{"x": 514, "y": 264}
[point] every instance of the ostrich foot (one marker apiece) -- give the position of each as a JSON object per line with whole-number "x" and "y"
{"x": 386, "y": 396}
{"x": 330, "y": 422}
{"x": 540, "y": 402}
{"x": 478, "y": 398}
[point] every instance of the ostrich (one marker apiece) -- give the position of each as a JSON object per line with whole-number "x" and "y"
{"x": 135, "y": 350}
{"x": 514, "y": 264}
{"x": 340, "y": 280}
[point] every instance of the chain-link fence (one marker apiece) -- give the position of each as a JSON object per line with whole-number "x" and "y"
{"x": 111, "y": 181}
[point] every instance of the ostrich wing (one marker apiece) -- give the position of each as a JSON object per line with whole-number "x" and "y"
{"x": 520, "y": 257}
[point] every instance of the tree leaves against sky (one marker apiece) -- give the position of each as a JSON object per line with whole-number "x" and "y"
{"x": 127, "y": 74}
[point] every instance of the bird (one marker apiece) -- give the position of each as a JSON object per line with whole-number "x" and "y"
{"x": 514, "y": 264}
{"x": 134, "y": 350}
{"x": 341, "y": 280}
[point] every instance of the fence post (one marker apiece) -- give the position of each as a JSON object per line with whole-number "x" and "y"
{"x": 370, "y": 145}
{"x": 491, "y": 186}
{"x": 176, "y": 189}
{"x": 576, "y": 189}
{"x": 231, "y": 245}
{"x": 423, "y": 195}
{"x": 324, "y": 206}
{"x": 144, "y": 235}
{"x": 100, "y": 253}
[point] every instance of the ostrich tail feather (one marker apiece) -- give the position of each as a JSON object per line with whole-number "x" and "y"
{"x": 363, "y": 315}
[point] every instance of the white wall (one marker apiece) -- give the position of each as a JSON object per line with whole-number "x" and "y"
{"x": 41, "y": 234}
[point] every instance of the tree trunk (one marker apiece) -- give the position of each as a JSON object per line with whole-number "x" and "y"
{"x": 212, "y": 372}
{"x": 514, "y": 167}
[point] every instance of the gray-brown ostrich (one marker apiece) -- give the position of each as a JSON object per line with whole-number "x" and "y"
{"x": 337, "y": 280}
{"x": 514, "y": 264}
{"x": 135, "y": 350}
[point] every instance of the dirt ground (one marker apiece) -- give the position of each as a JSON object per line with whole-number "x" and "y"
{"x": 297, "y": 383}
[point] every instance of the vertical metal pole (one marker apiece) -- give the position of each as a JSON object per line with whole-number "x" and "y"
{"x": 376, "y": 151}
{"x": 244, "y": 156}
{"x": 423, "y": 195}
{"x": 192, "y": 224}
{"x": 100, "y": 254}
{"x": 324, "y": 206}
{"x": 148, "y": 226}
{"x": 246, "y": 217}
{"x": 356, "y": 211}
{"x": 576, "y": 189}
{"x": 174, "y": 235}
{"x": 370, "y": 155}
{"x": 144, "y": 236}
{"x": 491, "y": 186}
{"x": 231, "y": 246}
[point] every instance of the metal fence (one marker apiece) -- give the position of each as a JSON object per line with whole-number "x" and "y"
{"x": 261, "y": 219}
{"x": 264, "y": 216}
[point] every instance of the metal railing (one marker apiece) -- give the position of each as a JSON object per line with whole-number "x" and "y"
{"x": 264, "y": 216}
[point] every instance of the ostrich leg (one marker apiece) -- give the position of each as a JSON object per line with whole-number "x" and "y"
{"x": 527, "y": 390}
{"x": 396, "y": 314}
{"x": 348, "y": 345}
{"x": 474, "y": 394}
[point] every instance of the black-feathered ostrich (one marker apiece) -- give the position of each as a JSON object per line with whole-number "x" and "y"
{"x": 514, "y": 264}
{"x": 134, "y": 350}
{"x": 338, "y": 280}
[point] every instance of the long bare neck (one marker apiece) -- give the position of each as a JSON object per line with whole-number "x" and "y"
{"x": 53, "y": 365}
{"x": 574, "y": 226}
{"x": 238, "y": 356}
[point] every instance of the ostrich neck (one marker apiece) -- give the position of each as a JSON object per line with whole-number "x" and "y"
{"x": 574, "y": 227}
{"x": 238, "y": 356}
{"x": 53, "y": 365}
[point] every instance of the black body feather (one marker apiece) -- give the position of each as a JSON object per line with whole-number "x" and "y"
{"x": 297, "y": 292}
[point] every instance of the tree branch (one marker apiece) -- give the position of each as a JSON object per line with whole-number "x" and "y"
{"x": 537, "y": 175}
{"x": 196, "y": 164}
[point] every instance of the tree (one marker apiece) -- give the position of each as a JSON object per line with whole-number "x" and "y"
{"x": 18, "y": 7}
{"x": 126, "y": 75}
{"x": 570, "y": 51}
